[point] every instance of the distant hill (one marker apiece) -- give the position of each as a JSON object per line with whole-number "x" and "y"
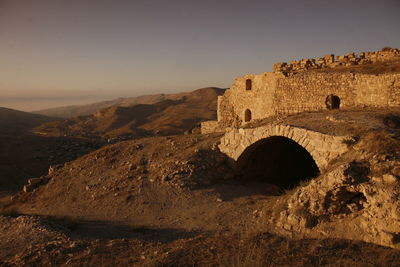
{"x": 15, "y": 122}
{"x": 22, "y": 155}
{"x": 174, "y": 114}
{"x": 81, "y": 110}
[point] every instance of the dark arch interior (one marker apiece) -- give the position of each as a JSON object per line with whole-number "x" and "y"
{"x": 277, "y": 160}
{"x": 332, "y": 102}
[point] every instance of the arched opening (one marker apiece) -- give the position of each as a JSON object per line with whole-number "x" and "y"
{"x": 332, "y": 102}
{"x": 277, "y": 160}
{"x": 248, "y": 84}
{"x": 247, "y": 115}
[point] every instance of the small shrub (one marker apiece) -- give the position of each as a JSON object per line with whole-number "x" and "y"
{"x": 351, "y": 141}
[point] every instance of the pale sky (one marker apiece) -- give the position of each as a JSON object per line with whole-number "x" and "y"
{"x": 58, "y": 52}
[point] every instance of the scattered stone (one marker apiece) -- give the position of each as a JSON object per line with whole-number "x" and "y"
{"x": 389, "y": 178}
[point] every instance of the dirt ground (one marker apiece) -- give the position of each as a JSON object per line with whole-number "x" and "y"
{"x": 58, "y": 242}
{"x": 177, "y": 201}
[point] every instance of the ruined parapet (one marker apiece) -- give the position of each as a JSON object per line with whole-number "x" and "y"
{"x": 381, "y": 56}
{"x": 330, "y": 61}
{"x": 211, "y": 127}
{"x": 295, "y": 66}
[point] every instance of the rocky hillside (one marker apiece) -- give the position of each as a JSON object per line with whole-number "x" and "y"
{"x": 172, "y": 200}
{"x": 185, "y": 182}
{"x": 82, "y": 110}
{"x": 171, "y": 116}
{"x": 27, "y": 156}
{"x": 15, "y": 122}
{"x": 24, "y": 155}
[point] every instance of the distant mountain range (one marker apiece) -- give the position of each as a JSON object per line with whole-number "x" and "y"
{"x": 139, "y": 116}
{"x": 81, "y": 110}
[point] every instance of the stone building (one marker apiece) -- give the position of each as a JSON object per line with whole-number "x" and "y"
{"x": 297, "y": 87}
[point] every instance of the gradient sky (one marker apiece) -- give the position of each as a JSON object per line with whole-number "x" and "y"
{"x": 86, "y": 50}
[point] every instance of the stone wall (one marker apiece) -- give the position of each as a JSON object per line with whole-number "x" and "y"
{"x": 274, "y": 93}
{"x": 211, "y": 127}
{"x": 308, "y": 91}
{"x": 329, "y": 61}
{"x": 259, "y": 99}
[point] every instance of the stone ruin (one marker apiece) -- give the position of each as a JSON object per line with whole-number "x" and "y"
{"x": 290, "y": 88}
{"x": 329, "y": 61}
{"x": 336, "y": 190}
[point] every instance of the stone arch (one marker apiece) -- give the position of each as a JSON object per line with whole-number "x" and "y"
{"x": 247, "y": 115}
{"x": 322, "y": 147}
{"x": 248, "y": 84}
{"x": 276, "y": 160}
{"x": 332, "y": 102}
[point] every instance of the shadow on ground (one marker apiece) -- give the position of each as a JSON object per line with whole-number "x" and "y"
{"x": 92, "y": 230}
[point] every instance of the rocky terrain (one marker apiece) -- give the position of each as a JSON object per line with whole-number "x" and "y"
{"x": 30, "y": 143}
{"x": 53, "y": 242}
{"x": 24, "y": 155}
{"x": 27, "y": 156}
{"x": 178, "y": 201}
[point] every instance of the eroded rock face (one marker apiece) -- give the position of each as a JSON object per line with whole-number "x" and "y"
{"x": 347, "y": 202}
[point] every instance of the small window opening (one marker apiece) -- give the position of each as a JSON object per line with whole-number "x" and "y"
{"x": 248, "y": 84}
{"x": 247, "y": 115}
{"x": 332, "y": 102}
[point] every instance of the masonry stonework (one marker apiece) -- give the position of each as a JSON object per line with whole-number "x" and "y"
{"x": 339, "y": 194}
{"x": 323, "y": 148}
{"x": 293, "y": 90}
{"x": 329, "y": 61}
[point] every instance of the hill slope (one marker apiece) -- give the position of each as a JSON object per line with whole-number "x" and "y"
{"x": 176, "y": 201}
{"x": 24, "y": 155}
{"x": 14, "y": 122}
{"x": 170, "y": 116}
{"x": 83, "y": 110}
{"x": 186, "y": 183}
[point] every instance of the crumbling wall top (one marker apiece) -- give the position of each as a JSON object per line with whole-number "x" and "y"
{"x": 329, "y": 61}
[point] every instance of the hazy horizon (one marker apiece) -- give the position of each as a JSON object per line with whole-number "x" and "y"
{"x": 59, "y": 52}
{"x": 31, "y": 104}
{"x": 45, "y": 101}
